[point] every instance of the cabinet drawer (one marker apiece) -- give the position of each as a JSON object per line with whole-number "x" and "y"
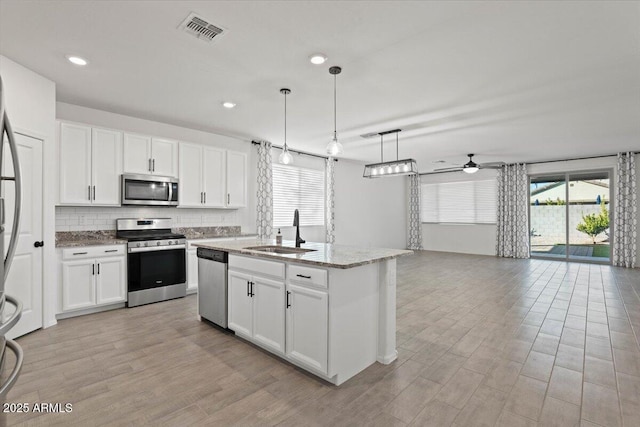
{"x": 255, "y": 265}
{"x": 92, "y": 251}
{"x": 307, "y": 275}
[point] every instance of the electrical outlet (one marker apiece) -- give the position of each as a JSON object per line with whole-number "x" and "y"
{"x": 82, "y": 220}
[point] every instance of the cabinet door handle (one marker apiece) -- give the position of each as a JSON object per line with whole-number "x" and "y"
{"x": 38, "y": 244}
{"x": 205, "y": 197}
{"x": 93, "y": 269}
{"x": 228, "y": 198}
{"x": 89, "y": 188}
{"x": 80, "y": 253}
{"x": 153, "y": 165}
{"x": 98, "y": 268}
{"x": 288, "y": 303}
{"x": 149, "y": 165}
{"x": 111, "y": 250}
{"x": 303, "y": 276}
{"x": 251, "y": 288}
{"x": 201, "y": 197}
{"x": 94, "y": 192}
{"x": 248, "y": 291}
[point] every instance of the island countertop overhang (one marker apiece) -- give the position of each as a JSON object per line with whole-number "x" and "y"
{"x": 321, "y": 254}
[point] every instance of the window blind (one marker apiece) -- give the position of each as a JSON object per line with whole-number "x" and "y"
{"x": 297, "y": 188}
{"x": 465, "y": 202}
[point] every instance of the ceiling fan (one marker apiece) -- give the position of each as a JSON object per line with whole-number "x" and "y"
{"x": 471, "y": 166}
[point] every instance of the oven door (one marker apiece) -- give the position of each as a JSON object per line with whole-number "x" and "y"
{"x": 155, "y": 267}
{"x": 149, "y": 190}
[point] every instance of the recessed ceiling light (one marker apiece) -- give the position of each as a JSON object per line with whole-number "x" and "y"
{"x": 228, "y": 104}
{"x": 76, "y": 60}
{"x": 318, "y": 58}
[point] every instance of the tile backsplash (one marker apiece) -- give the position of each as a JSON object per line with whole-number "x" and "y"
{"x": 104, "y": 218}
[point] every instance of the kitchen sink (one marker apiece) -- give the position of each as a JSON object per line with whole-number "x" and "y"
{"x": 279, "y": 249}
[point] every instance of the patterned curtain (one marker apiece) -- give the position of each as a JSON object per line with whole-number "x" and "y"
{"x": 329, "y": 182}
{"x": 264, "y": 203}
{"x": 415, "y": 222}
{"x": 513, "y": 208}
{"x": 624, "y": 241}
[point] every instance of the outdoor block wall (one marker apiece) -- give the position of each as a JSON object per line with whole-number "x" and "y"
{"x": 548, "y": 221}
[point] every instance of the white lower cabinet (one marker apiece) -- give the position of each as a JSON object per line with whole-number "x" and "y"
{"x": 307, "y": 320}
{"x": 92, "y": 277}
{"x": 256, "y": 309}
{"x": 192, "y": 271}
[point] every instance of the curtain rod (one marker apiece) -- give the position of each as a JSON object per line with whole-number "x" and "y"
{"x": 542, "y": 161}
{"x": 279, "y": 147}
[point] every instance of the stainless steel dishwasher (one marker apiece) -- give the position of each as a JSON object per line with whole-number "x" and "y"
{"x": 212, "y": 285}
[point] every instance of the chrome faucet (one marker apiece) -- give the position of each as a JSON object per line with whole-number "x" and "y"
{"x": 296, "y": 224}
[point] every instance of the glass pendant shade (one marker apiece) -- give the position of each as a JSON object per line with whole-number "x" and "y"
{"x": 285, "y": 157}
{"x": 334, "y": 148}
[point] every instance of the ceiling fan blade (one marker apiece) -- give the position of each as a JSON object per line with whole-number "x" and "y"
{"x": 456, "y": 168}
{"x": 492, "y": 164}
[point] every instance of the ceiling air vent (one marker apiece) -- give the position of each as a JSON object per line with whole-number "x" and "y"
{"x": 201, "y": 28}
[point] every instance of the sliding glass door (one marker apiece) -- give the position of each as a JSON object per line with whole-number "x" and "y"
{"x": 570, "y": 216}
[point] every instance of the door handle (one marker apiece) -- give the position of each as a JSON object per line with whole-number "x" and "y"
{"x": 228, "y": 198}
{"x": 98, "y": 268}
{"x": 201, "y": 197}
{"x": 288, "y": 295}
{"x": 38, "y": 244}
{"x": 93, "y": 269}
{"x": 94, "y": 192}
{"x": 149, "y": 165}
{"x": 248, "y": 292}
{"x": 153, "y": 165}
{"x": 205, "y": 197}
{"x": 251, "y": 287}
{"x": 89, "y": 187}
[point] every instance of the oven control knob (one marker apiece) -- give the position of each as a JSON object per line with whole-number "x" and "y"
{"x": 159, "y": 243}
{"x": 145, "y": 244}
{"x": 171, "y": 242}
{"x": 138, "y": 245}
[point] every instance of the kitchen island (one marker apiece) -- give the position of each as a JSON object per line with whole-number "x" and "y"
{"x": 329, "y": 309}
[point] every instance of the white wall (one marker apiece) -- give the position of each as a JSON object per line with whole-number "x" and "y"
{"x": 31, "y": 107}
{"x": 480, "y": 239}
{"x": 369, "y": 212}
{"x": 244, "y": 217}
{"x": 461, "y": 238}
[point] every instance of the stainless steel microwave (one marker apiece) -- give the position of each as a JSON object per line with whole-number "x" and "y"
{"x": 149, "y": 190}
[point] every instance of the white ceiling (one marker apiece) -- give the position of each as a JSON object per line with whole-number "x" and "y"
{"x": 511, "y": 81}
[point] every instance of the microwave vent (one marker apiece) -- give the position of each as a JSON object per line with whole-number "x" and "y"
{"x": 201, "y": 28}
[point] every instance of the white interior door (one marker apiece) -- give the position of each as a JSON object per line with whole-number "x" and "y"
{"x": 25, "y": 277}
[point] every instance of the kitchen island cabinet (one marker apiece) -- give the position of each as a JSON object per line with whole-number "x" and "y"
{"x": 330, "y": 310}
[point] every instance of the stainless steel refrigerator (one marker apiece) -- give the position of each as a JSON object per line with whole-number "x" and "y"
{"x": 10, "y": 307}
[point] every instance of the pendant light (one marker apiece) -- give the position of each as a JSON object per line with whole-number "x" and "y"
{"x": 391, "y": 168}
{"x": 470, "y": 166}
{"x": 285, "y": 157}
{"x": 334, "y": 147}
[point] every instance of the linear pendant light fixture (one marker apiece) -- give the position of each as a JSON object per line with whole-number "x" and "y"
{"x": 391, "y": 168}
{"x": 285, "y": 157}
{"x": 334, "y": 147}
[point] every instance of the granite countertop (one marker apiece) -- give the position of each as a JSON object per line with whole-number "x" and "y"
{"x": 195, "y": 233}
{"x": 72, "y": 239}
{"x": 322, "y": 254}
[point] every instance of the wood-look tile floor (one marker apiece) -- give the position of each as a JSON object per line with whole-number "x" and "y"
{"x": 481, "y": 340}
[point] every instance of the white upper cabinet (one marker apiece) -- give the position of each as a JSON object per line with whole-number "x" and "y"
{"x": 164, "y": 157}
{"x": 150, "y": 156}
{"x": 236, "y": 179}
{"x": 137, "y": 154}
{"x": 205, "y": 181}
{"x": 90, "y": 165}
{"x": 213, "y": 177}
{"x": 106, "y": 160}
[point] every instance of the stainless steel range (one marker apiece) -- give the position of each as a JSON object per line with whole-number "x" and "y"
{"x": 156, "y": 260}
